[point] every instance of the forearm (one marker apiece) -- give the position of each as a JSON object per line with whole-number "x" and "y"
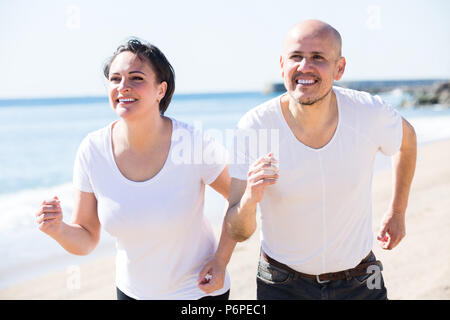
{"x": 75, "y": 239}
{"x": 404, "y": 165}
{"x": 240, "y": 220}
{"x": 225, "y": 247}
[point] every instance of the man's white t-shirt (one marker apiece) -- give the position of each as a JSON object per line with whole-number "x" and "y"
{"x": 317, "y": 217}
{"x": 163, "y": 239}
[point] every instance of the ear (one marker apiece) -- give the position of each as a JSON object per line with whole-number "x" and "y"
{"x": 162, "y": 88}
{"x": 340, "y": 68}
{"x": 281, "y": 66}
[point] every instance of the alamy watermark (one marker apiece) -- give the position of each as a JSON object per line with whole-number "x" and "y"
{"x": 73, "y": 281}
{"x": 374, "y": 280}
{"x": 373, "y": 21}
{"x": 214, "y": 146}
{"x": 73, "y": 21}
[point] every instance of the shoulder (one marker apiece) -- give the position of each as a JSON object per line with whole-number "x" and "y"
{"x": 262, "y": 115}
{"x": 180, "y": 124}
{"x": 95, "y": 140}
{"x": 190, "y": 144}
{"x": 182, "y": 131}
{"x": 370, "y": 116}
{"x": 180, "y": 128}
{"x": 359, "y": 100}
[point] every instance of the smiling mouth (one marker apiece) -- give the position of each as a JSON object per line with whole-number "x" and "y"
{"x": 306, "y": 82}
{"x": 125, "y": 100}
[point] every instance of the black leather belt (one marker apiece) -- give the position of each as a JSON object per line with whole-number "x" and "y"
{"x": 359, "y": 270}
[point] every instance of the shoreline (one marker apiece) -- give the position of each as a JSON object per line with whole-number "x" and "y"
{"x": 416, "y": 269}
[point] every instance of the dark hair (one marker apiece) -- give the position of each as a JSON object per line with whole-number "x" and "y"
{"x": 159, "y": 63}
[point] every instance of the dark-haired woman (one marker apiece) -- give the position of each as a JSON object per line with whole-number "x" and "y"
{"x": 130, "y": 179}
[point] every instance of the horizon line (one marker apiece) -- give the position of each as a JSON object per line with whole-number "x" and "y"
{"x": 200, "y": 93}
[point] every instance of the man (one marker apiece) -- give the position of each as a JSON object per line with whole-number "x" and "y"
{"x": 314, "y": 189}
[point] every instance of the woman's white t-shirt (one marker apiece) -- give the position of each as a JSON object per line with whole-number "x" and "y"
{"x": 162, "y": 237}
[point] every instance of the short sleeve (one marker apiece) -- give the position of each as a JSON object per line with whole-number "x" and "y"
{"x": 215, "y": 158}
{"x": 81, "y": 179}
{"x": 389, "y": 129}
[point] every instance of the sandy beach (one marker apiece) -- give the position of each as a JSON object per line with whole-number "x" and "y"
{"x": 417, "y": 269}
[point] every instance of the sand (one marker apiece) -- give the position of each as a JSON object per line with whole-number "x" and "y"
{"x": 419, "y": 268}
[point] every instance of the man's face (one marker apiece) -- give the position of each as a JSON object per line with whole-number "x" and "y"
{"x": 309, "y": 65}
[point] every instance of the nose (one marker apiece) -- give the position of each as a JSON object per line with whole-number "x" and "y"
{"x": 123, "y": 85}
{"x": 304, "y": 65}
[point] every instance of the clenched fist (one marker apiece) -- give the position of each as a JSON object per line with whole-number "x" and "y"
{"x": 262, "y": 173}
{"x": 49, "y": 217}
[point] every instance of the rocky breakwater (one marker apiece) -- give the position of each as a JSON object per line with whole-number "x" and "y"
{"x": 412, "y": 93}
{"x": 437, "y": 93}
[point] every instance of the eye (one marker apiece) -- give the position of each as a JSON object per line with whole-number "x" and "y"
{"x": 114, "y": 79}
{"x": 296, "y": 57}
{"x": 317, "y": 57}
{"x": 137, "y": 78}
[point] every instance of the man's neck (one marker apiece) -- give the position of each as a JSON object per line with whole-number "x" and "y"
{"x": 315, "y": 116}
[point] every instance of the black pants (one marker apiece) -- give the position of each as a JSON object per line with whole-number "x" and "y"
{"x": 274, "y": 283}
{"x": 225, "y": 296}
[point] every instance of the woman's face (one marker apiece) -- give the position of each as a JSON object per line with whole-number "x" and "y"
{"x": 134, "y": 91}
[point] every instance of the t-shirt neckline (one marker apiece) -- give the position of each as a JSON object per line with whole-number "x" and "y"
{"x": 291, "y": 134}
{"x": 155, "y": 178}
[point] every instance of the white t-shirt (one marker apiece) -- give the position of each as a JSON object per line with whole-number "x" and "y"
{"x": 162, "y": 237}
{"x": 317, "y": 217}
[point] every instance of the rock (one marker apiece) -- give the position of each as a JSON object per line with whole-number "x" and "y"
{"x": 443, "y": 94}
{"x": 438, "y": 93}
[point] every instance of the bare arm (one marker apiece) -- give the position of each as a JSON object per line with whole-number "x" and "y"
{"x": 79, "y": 237}
{"x": 393, "y": 228}
{"x": 226, "y": 243}
{"x": 240, "y": 220}
{"x": 217, "y": 266}
{"x": 404, "y": 165}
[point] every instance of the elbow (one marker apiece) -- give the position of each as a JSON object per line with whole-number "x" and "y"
{"x": 83, "y": 246}
{"x": 91, "y": 246}
{"x": 239, "y": 234}
{"x": 81, "y": 251}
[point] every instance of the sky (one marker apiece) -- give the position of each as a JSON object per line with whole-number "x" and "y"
{"x": 58, "y": 48}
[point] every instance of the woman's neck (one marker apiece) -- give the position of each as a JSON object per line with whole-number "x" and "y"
{"x": 141, "y": 135}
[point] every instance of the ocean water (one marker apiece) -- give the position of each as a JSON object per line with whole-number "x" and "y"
{"x": 38, "y": 142}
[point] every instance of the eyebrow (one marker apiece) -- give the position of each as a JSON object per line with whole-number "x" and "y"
{"x": 312, "y": 52}
{"x": 136, "y": 71}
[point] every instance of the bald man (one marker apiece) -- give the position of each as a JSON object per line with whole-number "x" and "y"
{"x": 314, "y": 187}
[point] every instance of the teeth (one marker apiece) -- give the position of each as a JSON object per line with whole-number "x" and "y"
{"x": 126, "y": 100}
{"x": 301, "y": 81}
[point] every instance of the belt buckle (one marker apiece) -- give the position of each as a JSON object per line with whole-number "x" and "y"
{"x": 321, "y": 281}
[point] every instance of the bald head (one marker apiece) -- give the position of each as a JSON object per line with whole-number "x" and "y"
{"x": 309, "y": 29}
{"x": 311, "y": 62}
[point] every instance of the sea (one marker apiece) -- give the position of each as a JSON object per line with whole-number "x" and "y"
{"x": 39, "y": 139}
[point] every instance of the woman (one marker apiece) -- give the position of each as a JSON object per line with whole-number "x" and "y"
{"x": 128, "y": 180}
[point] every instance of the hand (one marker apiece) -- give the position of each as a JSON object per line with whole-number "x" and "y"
{"x": 49, "y": 217}
{"x": 261, "y": 174}
{"x": 392, "y": 230}
{"x": 211, "y": 277}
